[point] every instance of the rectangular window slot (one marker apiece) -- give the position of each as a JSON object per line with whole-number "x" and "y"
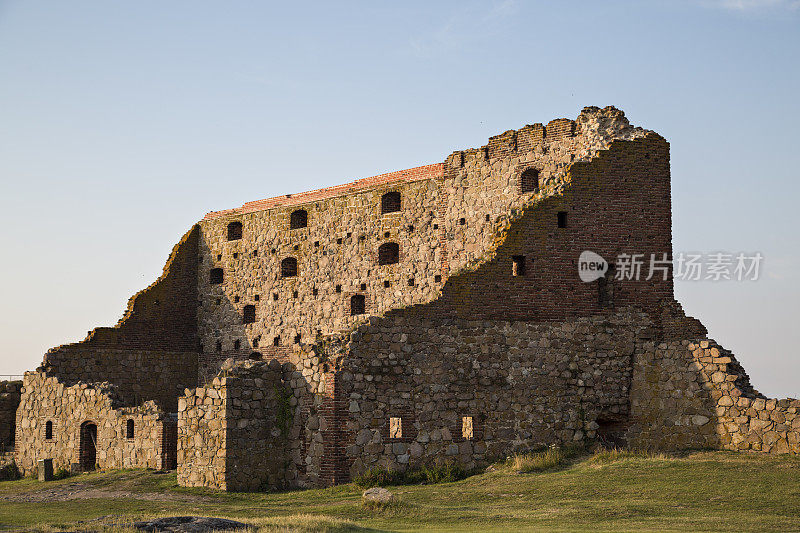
{"x": 518, "y": 265}
{"x": 562, "y": 219}
{"x": 467, "y": 431}
{"x": 395, "y": 427}
{"x": 357, "y": 304}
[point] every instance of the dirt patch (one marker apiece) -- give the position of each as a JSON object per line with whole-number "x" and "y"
{"x": 83, "y": 491}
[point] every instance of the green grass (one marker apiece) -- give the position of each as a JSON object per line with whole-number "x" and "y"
{"x": 608, "y": 491}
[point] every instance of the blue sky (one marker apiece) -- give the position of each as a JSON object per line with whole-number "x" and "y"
{"x": 122, "y": 123}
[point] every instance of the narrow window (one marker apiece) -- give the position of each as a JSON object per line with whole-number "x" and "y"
{"x": 386, "y": 284}
{"x": 289, "y": 267}
{"x": 215, "y": 276}
{"x": 437, "y": 278}
{"x": 256, "y": 341}
{"x": 390, "y": 202}
{"x": 237, "y": 344}
{"x": 298, "y": 219}
{"x": 276, "y": 341}
{"x": 357, "y": 304}
{"x": 338, "y": 288}
{"x": 410, "y": 282}
{"x": 314, "y": 292}
{"x": 529, "y": 180}
{"x": 605, "y": 288}
{"x": 294, "y": 294}
{"x": 518, "y": 265}
{"x": 129, "y": 429}
{"x": 249, "y": 315}
{"x": 297, "y": 339}
{"x": 462, "y": 221}
{"x": 48, "y": 430}
{"x": 219, "y": 346}
{"x": 466, "y": 427}
{"x": 256, "y": 297}
{"x": 395, "y": 427}
{"x": 363, "y": 286}
{"x": 562, "y": 219}
{"x": 234, "y": 231}
{"x": 388, "y": 253}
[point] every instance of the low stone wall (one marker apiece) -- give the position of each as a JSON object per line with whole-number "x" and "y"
{"x": 68, "y": 408}
{"x": 695, "y": 394}
{"x": 10, "y": 392}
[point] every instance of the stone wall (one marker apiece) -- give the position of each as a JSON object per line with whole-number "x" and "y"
{"x": 139, "y": 375}
{"x": 234, "y": 433}
{"x": 451, "y": 219}
{"x": 68, "y": 409}
{"x": 521, "y": 384}
{"x": 9, "y": 400}
{"x": 694, "y": 394}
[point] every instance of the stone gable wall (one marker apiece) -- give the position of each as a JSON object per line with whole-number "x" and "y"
{"x": 45, "y": 399}
{"x": 695, "y": 394}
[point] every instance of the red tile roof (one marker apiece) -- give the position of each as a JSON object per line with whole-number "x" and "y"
{"x": 408, "y": 175}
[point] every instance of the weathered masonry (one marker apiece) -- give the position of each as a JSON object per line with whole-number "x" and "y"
{"x": 429, "y": 314}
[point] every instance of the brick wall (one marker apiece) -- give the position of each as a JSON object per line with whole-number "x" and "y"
{"x": 617, "y": 203}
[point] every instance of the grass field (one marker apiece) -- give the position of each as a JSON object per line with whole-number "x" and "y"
{"x": 703, "y": 491}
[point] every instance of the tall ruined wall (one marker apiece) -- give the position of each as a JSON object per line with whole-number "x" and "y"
{"x": 451, "y": 217}
{"x": 46, "y": 399}
{"x": 152, "y": 352}
{"x": 694, "y": 394}
{"x": 619, "y": 203}
{"x": 521, "y": 384}
{"x": 9, "y": 400}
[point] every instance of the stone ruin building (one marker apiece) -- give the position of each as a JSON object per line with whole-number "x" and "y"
{"x": 430, "y": 314}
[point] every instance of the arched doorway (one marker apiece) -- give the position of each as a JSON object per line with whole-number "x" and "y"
{"x": 88, "y": 446}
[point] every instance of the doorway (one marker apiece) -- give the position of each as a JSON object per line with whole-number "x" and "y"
{"x": 88, "y": 446}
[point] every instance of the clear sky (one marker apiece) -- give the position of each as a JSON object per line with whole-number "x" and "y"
{"x": 122, "y": 123}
